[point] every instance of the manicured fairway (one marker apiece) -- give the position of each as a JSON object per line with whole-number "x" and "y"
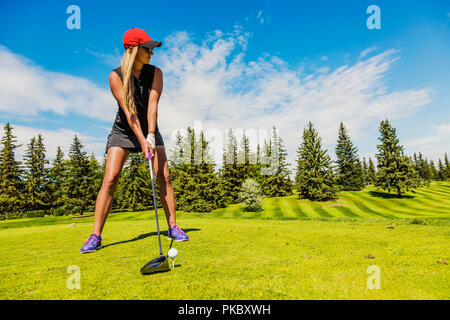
{"x": 294, "y": 249}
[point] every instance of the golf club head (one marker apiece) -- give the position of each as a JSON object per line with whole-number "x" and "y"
{"x": 160, "y": 264}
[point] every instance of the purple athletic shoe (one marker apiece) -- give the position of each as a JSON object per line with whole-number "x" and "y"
{"x": 177, "y": 234}
{"x": 92, "y": 244}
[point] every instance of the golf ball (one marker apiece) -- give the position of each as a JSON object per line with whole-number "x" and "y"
{"x": 172, "y": 253}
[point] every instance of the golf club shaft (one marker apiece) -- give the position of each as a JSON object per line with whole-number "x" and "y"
{"x": 154, "y": 201}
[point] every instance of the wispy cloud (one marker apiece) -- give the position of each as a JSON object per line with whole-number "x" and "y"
{"x": 27, "y": 89}
{"x": 366, "y": 52}
{"x": 213, "y": 82}
{"x": 110, "y": 59}
{"x": 433, "y": 146}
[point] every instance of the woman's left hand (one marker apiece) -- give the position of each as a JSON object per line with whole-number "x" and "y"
{"x": 151, "y": 140}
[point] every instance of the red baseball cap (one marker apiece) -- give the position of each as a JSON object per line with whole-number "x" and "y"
{"x": 138, "y": 37}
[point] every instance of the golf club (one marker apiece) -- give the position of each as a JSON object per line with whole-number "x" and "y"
{"x": 159, "y": 264}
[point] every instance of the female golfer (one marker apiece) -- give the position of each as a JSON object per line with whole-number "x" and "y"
{"x": 137, "y": 87}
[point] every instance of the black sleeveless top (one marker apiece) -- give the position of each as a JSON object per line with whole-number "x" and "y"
{"x": 142, "y": 88}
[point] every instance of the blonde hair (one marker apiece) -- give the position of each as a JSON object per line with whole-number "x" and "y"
{"x": 127, "y": 64}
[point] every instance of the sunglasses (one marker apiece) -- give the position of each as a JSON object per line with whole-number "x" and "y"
{"x": 147, "y": 49}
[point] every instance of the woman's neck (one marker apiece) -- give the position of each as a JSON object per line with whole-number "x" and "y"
{"x": 137, "y": 67}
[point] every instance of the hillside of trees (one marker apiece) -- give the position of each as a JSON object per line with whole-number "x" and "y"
{"x": 34, "y": 187}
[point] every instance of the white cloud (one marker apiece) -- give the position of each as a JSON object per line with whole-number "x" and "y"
{"x": 366, "y": 52}
{"x": 110, "y": 59}
{"x": 434, "y": 146}
{"x": 212, "y": 82}
{"x": 27, "y": 89}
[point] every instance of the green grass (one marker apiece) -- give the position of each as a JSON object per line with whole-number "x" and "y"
{"x": 293, "y": 249}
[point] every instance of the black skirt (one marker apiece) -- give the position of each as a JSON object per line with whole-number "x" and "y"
{"x": 119, "y": 139}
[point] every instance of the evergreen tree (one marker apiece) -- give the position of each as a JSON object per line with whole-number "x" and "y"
{"x": 231, "y": 176}
{"x": 395, "y": 171}
{"x": 372, "y": 174}
{"x": 423, "y": 169}
{"x": 10, "y": 175}
{"x": 441, "y": 171}
{"x": 365, "y": 171}
{"x": 244, "y": 156}
{"x": 433, "y": 170}
{"x": 96, "y": 174}
{"x": 350, "y": 176}
{"x": 78, "y": 185}
{"x": 36, "y": 176}
{"x": 275, "y": 180}
{"x": 197, "y": 186}
{"x": 30, "y": 173}
{"x": 314, "y": 178}
{"x": 57, "y": 175}
{"x": 135, "y": 191}
{"x": 447, "y": 167}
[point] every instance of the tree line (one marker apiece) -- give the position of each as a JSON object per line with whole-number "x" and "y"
{"x": 69, "y": 185}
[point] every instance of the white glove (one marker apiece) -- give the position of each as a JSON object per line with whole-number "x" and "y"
{"x": 151, "y": 140}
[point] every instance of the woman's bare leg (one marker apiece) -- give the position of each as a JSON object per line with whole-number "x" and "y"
{"x": 166, "y": 193}
{"x": 114, "y": 163}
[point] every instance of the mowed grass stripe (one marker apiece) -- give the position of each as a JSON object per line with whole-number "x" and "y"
{"x": 347, "y": 212}
{"x": 392, "y": 207}
{"x": 357, "y": 209}
{"x": 437, "y": 193}
{"x": 427, "y": 195}
{"x": 364, "y": 207}
{"x": 321, "y": 212}
{"x": 442, "y": 188}
{"x": 287, "y": 206}
{"x": 277, "y": 211}
{"x": 296, "y": 208}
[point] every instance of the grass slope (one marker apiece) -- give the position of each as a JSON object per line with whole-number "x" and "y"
{"x": 293, "y": 249}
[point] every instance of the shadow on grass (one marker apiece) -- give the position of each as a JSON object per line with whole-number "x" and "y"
{"x": 146, "y": 235}
{"x": 386, "y": 195}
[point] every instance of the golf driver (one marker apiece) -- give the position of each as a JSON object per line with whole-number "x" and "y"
{"x": 161, "y": 263}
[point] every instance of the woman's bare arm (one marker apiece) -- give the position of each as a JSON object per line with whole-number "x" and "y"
{"x": 116, "y": 86}
{"x": 155, "y": 94}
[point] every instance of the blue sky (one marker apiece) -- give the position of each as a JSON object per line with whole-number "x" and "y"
{"x": 277, "y": 63}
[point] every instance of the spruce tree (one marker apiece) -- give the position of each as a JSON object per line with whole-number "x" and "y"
{"x": 244, "y": 156}
{"x": 57, "y": 175}
{"x": 11, "y": 183}
{"x": 135, "y": 192}
{"x": 36, "y": 176}
{"x": 441, "y": 171}
{"x": 96, "y": 174}
{"x": 433, "y": 170}
{"x": 395, "y": 170}
{"x": 276, "y": 181}
{"x": 78, "y": 186}
{"x": 231, "y": 176}
{"x": 447, "y": 167}
{"x": 372, "y": 174}
{"x": 314, "y": 178}
{"x": 365, "y": 171}
{"x": 197, "y": 186}
{"x": 31, "y": 184}
{"x": 350, "y": 177}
